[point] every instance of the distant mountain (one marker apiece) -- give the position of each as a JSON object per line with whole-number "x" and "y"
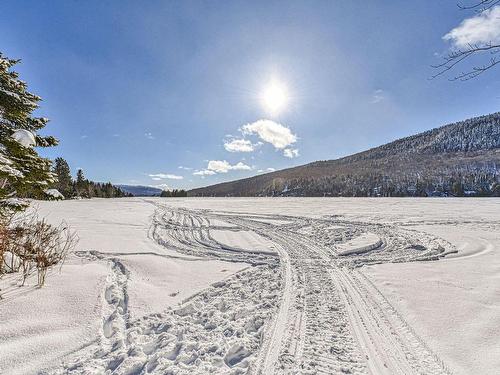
{"x": 459, "y": 159}
{"x": 141, "y": 191}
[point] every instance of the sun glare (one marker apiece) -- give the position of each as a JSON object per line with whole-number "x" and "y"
{"x": 274, "y": 97}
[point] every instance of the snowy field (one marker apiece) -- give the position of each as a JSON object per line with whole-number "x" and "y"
{"x": 263, "y": 286}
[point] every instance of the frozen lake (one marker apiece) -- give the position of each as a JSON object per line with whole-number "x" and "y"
{"x": 263, "y": 286}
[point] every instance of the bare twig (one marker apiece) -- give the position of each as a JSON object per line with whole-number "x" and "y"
{"x": 458, "y": 56}
{"x": 479, "y": 6}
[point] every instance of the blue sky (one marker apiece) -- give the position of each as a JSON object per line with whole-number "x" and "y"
{"x": 135, "y": 90}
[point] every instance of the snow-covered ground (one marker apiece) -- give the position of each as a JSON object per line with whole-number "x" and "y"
{"x": 115, "y": 263}
{"x": 263, "y": 286}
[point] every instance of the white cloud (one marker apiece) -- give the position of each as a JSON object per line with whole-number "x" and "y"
{"x": 239, "y": 145}
{"x": 290, "y": 152}
{"x": 241, "y": 167}
{"x": 218, "y": 166}
{"x": 166, "y": 176}
{"x": 479, "y": 29}
{"x": 185, "y": 168}
{"x": 221, "y": 166}
{"x": 149, "y": 135}
{"x": 271, "y": 132}
{"x": 378, "y": 96}
{"x": 204, "y": 172}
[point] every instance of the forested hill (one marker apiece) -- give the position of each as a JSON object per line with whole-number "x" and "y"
{"x": 459, "y": 159}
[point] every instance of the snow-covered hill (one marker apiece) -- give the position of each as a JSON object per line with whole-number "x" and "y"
{"x": 458, "y": 159}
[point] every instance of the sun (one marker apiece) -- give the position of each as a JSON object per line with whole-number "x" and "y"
{"x": 274, "y": 97}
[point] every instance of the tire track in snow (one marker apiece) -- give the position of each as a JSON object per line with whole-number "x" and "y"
{"x": 315, "y": 338}
{"x": 275, "y": 330}
{"x": 317, "y": 315}
{"x": 218, "y": 330}
{"x": 385, "y": 342}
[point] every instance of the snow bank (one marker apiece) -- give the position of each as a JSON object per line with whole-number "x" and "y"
{"x": 54, "y": 193}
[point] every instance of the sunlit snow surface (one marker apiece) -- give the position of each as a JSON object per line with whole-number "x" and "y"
{"x": 263, "y": 286}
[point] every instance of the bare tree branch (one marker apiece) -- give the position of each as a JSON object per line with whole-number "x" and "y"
{"x": 480, "y": 6}
{"x": 457, "y": 56}
{"x": 476, "y": 71}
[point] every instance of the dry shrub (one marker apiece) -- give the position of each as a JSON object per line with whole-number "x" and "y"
{"x": 29, "y": 244}
{"x": 5, "y": 243}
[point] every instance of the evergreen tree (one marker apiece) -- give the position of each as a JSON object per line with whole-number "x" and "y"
{"x": 457, "y": 189}
{"x": 64, "y": 181}
{"x": 98, "y": 190}
{"x": 23, "y": 173}
{"x": 495, "y": 189}
{"x": 80, "y": 185}
{"x": 109, "y": 191}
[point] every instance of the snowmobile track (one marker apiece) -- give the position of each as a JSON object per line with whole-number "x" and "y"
{"x": 306, "y": 310}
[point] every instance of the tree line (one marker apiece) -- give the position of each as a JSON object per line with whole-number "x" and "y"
{"x": 475, "y": 183}
{"x": 82, "y": 187}
{"x": 173, "y": 193}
